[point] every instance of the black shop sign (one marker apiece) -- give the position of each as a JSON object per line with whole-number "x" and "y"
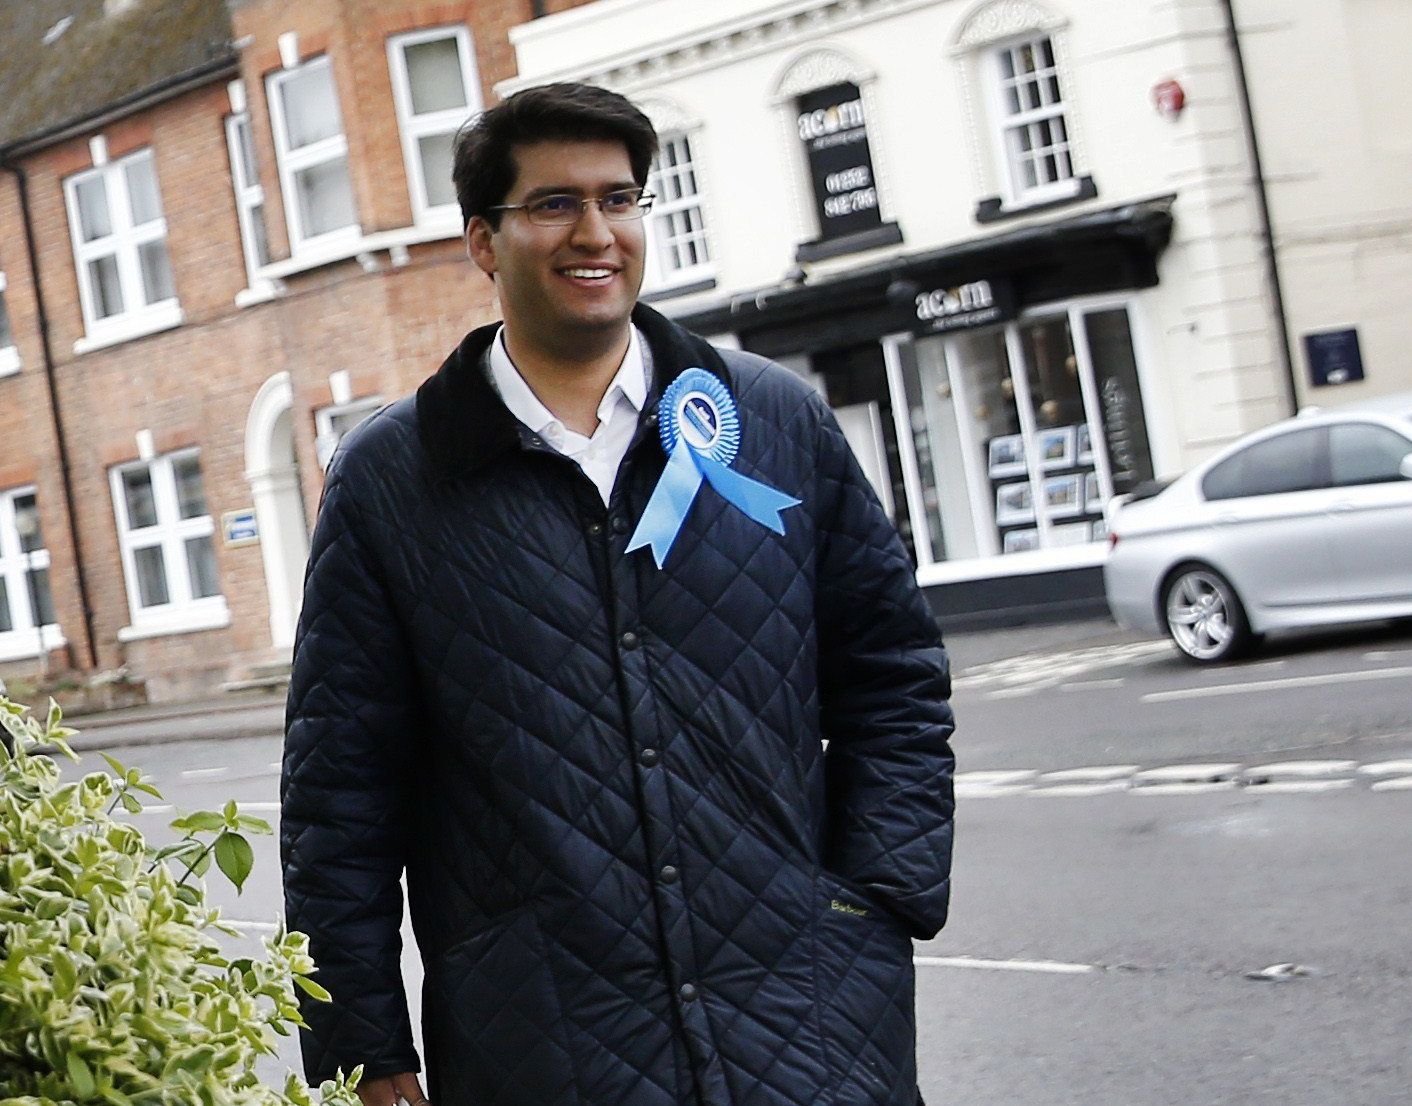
{"x": 834, "y": 132}
{"x": 944, "y": 308}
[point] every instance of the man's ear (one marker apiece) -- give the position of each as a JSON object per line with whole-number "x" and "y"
{"x": 480, "y": 245}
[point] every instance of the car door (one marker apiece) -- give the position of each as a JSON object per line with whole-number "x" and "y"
{"x": 1372, "y": 511}
{"x": 1270, "y": 510}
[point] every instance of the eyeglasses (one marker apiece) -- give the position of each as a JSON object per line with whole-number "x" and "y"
{"x": 561, "y": 209}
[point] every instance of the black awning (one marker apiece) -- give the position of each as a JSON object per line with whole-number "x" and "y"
{"x": 1111, "y": 250}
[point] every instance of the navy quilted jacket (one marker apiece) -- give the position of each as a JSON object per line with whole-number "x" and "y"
{"x": 637, "y": 874}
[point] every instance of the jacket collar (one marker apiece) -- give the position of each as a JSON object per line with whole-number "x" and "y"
{"x": 463, "y": 423}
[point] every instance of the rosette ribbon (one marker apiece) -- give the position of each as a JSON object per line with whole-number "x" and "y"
{"x": 700, "y": 432}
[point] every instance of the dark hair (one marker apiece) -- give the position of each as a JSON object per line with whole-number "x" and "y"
{"x": 484, "y": 168}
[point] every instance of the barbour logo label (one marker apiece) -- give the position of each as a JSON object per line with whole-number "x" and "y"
{"x": 848, "y": 908}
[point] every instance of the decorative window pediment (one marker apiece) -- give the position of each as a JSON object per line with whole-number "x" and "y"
{"x": 997, "y": 20}
{"x": 819, "y": 68}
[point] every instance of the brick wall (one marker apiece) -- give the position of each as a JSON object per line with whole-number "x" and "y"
{"x": 386, "y": 325}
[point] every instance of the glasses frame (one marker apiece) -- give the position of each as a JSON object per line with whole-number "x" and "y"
{"x": 637, "y": 212}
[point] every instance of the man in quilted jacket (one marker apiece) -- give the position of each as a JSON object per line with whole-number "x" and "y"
{"x": 608, "y": 645}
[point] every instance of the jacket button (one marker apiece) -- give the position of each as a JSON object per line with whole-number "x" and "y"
{"x": 594, "y": 529}
{"x": 668, "y": 874}
{"x": 648, "y": 758}
{"x": 686, "y": 992}
{"x": 620, "y": 524}
{"x": 629, "y": 641}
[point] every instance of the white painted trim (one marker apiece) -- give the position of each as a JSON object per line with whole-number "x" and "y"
{"x": 1013, "y": 564}
{"x": 9, "y": 361}
{"x": 146, "y": 446}
{"x": 279, "y": 510}
{"x": 289, "y": 49}
{"x": 98, "y": 151}
{"x": 235, "y": 93}
{"x": 169, "y": 317}
{"x": 340, "y": 387}
{"x": 365, "y": 243}
{"x": 263, "y": 293}
{"x": 17, "y": 645}
{"x": 188, "y": 621}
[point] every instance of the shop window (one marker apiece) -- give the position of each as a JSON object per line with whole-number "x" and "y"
{"x": 680, "y": 252}
{"x": 437, "y": 90}
{"x": 249, "y": 196}
{"x": 167, "y": 540}
{"x": 120, "y": 249}
{"x": 312, "y": 151}
{"x": 1022, "y": 433}
{"x": 1031, "y": 122}
{"x": 27, "y": 621}
{"x": 9, "y": 355}
{"x": 332, "y": 425}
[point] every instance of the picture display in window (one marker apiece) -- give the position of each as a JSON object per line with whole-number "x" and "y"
{"x": 166, "y": 534}
{"x": 249, "y": 194}
{"x": 437, "y": 89}
{"x": 26, "y": 603}
{"x": 312, "y": 151}
{"x": 1034, "y": 130}
{"x": 120, "y": 240}
{"x": 677, "y": 224}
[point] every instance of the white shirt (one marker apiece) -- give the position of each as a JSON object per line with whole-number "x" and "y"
{"x": 600, "y": 455}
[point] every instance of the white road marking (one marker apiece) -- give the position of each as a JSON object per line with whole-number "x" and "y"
{"x": 1387, "y": 768}
{"x": 1386, "y": 654}
{"x": 1077, "y": 789}
{"x": 1090, "y": 685}
{"x": 990, "y": 779}
{"x": 275, "y": 766}
{"x": 1053, "y": 967}
{"x": 1399, "y": 783}
{"x": 1013, "y": 692}
{"x": 1099, "y": 773}
{"x": 990, "y": 791}
{"x": 1300, "y": 769}
{"x": 1263, "y": 666}
{"x": 1297, "y": 787}
{"x": 1361, "y": 676}
{"x": 1183, "y": 788}
{"x": 203, "y": 773}
{"x": 241, "y": 923}
{"x": 245, "y": 808}
{"x": 1186, "y": 773}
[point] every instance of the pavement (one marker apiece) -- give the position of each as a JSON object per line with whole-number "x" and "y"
{"x": 261, "y": 714}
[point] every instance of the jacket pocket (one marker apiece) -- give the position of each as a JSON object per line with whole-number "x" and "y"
{"x": 866, "y": 993}
{"x": 495, "y": 1031}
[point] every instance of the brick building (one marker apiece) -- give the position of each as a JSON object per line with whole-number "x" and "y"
{"x": 226, "y": 234}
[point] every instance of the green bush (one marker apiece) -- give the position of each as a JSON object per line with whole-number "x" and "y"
{"x": 113, "y": 985}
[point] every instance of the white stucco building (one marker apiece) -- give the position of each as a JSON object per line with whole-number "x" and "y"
{"x": 1020, "y": 245}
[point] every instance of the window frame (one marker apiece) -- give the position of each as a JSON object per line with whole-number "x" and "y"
{"x": 25, "y": 636}
{"x": 249, "y": 195}
{"x": 122, "y": 243}
{"x": 1003, "y": 122}
{"x": 10, "y": 352}
{"x": 325, "y": 442}
{"x": 412, "y": 127}
{"x": 182, "y": 612}
{"x": 293, "y": 162}
{"x": 659, "y": 276}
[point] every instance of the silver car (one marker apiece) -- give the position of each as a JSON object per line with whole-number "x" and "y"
{"x": 1305, "y": 523}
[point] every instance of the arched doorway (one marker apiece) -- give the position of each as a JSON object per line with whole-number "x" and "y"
{"x": 273, "y": 472}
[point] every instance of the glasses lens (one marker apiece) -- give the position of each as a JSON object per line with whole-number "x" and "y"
{"x": 626, "y": 203}
{"x": 554, "y": 211}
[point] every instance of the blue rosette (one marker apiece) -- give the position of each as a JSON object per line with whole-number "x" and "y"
{"x": 700, "y": 432}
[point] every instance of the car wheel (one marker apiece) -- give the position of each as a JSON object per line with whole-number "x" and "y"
{"x": 1204, "y": 616}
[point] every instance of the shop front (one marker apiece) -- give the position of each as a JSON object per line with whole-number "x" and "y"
{"x": 994, "y": 396}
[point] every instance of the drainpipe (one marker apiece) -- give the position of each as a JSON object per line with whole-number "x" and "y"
{"x": 65, "y": 469}
{"x": 1272, "y": 265}
{"x": 537, "y": 9}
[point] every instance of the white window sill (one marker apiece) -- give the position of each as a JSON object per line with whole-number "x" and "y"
{"x": 16, "y": 645}
{"x": 1014, "y": 564}
{"x": 257, "y": 294}
{"x": 185, "y": 620}
{"x": 9, "y": 361}
{"x": 126, "y": 328}
{"x": 307, "y": 260}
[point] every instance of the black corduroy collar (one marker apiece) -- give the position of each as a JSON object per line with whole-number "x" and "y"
{"x": 463, "y": 423}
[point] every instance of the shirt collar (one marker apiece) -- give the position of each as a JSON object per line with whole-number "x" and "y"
{"x": 630, "y": 382}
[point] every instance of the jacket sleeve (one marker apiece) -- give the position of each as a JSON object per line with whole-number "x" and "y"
{"x": 344, "y": 798}
{"x": 884, "y": 683}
